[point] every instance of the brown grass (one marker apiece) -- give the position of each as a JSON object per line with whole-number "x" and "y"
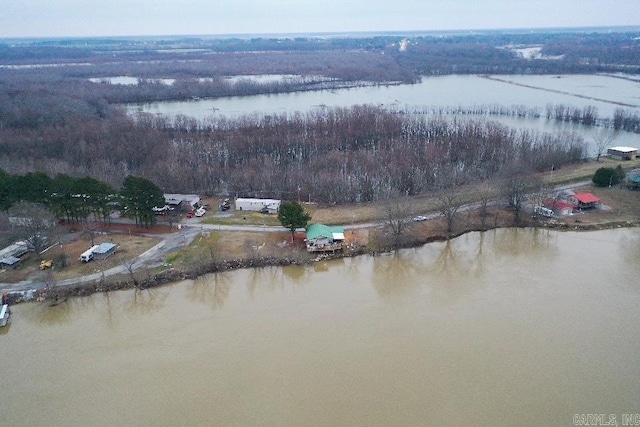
{"x": 128, "y": 248}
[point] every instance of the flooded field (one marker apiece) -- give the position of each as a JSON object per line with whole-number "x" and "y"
{"x": 606, "y": 93}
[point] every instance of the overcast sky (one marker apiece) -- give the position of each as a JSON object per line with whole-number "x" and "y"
{"x": 37, "y": 18}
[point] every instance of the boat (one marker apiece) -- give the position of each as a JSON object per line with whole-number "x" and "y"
{"x": 4, "y": 315}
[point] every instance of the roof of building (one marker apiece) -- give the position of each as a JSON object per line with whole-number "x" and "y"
{"x": 315, "y": 231}
{"x": 586, "y": 198}
{"x": 175, "y": 199}
{"x": 623, "y": 149}
{"x": 10, "y": 260}
{"x": 263, "y": 201}
{"x": 16, "y": 249}
{"x": 558, "y": 204}
{"x": 634, "y": 175}
{"x": 103, "y": 248}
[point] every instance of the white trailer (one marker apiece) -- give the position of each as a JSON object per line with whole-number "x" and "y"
{"x": 87, "y": 255}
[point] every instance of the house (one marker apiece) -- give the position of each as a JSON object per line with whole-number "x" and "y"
{"x": 104, "y": 250}
{"x": 323, "y": 238}
{"x": 560, "y": 207}
{"x": 622, "y": 153}
{"x": 271, "y": 206}
{"x": 184, "y": 202}
{"x": 585, "y": 200}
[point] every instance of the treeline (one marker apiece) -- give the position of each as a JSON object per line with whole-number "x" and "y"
{"x": 76, "y": 199}
{"x": 363, "y": 153}
{"x": 622, "y": 119}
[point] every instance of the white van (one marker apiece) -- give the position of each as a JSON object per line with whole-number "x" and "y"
{"x": 87, "y": 255}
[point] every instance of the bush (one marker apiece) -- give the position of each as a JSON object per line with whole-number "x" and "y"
{"x": 605, "y": 177}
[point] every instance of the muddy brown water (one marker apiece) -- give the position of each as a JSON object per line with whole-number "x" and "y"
{"x": 508, "y": 327}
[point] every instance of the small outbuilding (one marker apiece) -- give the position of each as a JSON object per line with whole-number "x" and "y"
{"x": 104, "y": 250}
{"x": 622, "y": 153}
{"x": 271, "y": 206}
{"x": 10, "y": 262}
{"x": 585, "y": 200}
{"x": 323, "y": 238}
{"x": 182, "y": 201}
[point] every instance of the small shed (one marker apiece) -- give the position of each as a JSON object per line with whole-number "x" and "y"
{"x": 323, "y": 238}
{"x": 104, "y": 250}
{"x": 585, "y": 200}
{"x": 271, "y": 206}
{"x": 10, "y": 262}
{"x": 622, "y": 153}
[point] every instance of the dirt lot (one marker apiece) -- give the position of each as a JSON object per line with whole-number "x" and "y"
{"x": 129, "y": 246}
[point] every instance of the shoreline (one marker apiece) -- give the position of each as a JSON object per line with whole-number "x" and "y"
{"x": 57, "y": 293}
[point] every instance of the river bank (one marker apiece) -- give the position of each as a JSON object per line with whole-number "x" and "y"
{"x": 172, "y": 275}
{"x": 208, "y": 248}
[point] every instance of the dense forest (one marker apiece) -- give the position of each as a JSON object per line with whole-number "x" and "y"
{"x": 54, "y": 119}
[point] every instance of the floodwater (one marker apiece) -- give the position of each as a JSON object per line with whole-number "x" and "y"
{"x": 507, "y": 327}
{"x": 606, "y": 93}
{"x": 603, "y": 92}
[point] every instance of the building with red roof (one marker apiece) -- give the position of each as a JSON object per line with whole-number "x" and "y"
{"x": 560, "y": 207}
{"x": 585, "y": 200}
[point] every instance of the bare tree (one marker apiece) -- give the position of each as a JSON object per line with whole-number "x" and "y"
{"x": 449, "y": 202}
{"x": 34, "y": 223}
{"x": 517, "y": 184}
{"x": 602, "y": 139}
{"x": 540, "y": 194}
{"x": 397, "y": 215}
{"x": 485, "y": 193}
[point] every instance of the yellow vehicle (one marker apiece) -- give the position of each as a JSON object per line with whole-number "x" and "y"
{"x": 44, "y": 264}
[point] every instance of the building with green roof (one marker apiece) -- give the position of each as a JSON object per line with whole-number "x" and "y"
{"x": 324, "y": 238}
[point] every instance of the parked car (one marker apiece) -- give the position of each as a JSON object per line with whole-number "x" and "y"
{"x": 44, "y": 264}
{"x": 200, "y": 212}
{"x": 420, "y": 218}
{"x": 225, "y": 205}
{"x": 191, "y": 213}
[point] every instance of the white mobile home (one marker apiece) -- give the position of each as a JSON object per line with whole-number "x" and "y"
{"x": 104, "y": 250}
{"x": 258, "y": 205}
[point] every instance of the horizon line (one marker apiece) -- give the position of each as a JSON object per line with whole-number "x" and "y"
{"x": 461, "y": 31}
